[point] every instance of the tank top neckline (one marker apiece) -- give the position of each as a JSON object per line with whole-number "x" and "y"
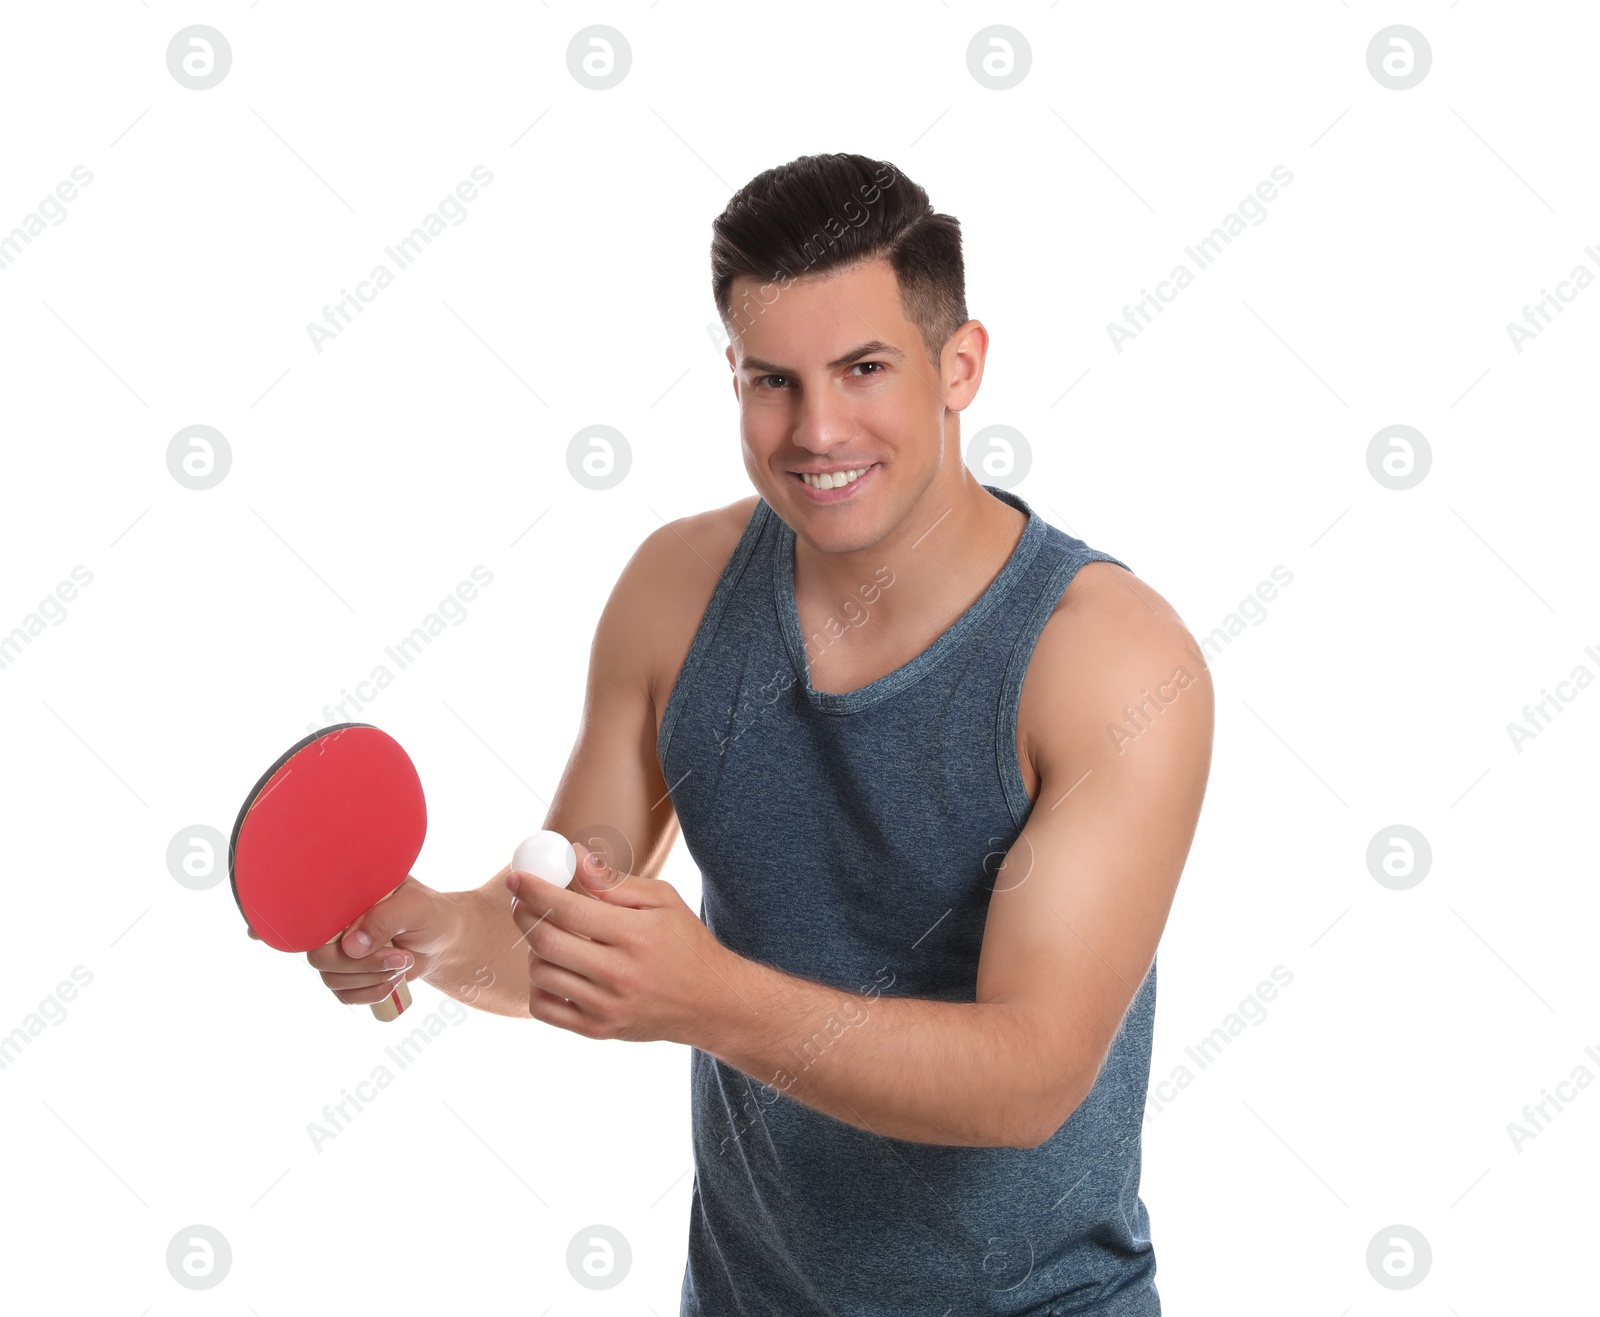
{"x": 918, "y": 666}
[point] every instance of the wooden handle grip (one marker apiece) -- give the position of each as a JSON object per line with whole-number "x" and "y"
{"x": 391, "y": 1006}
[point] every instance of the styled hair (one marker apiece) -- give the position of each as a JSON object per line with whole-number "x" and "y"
{"x": 824, "y": 212}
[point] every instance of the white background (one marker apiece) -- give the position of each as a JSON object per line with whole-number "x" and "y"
{"x": 369, "y": 478}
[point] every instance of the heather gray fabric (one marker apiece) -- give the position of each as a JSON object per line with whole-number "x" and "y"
{"x": 853, "y": 839}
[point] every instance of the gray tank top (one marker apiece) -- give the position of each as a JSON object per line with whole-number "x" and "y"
{"x": 853, "y": 839}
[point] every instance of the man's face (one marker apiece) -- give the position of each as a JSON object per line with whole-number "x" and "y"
{"x": 831, "y": 377}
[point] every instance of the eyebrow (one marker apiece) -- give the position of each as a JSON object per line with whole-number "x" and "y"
{"x": 876, "y": 347}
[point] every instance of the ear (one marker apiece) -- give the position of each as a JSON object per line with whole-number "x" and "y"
{"x": 962, "y": 363}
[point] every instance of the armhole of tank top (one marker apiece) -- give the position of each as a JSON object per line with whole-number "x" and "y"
{"x": 709, "y": 622}
{"x": 1009, "y": 764}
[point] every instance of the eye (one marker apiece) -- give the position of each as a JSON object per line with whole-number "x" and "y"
{"x": 761, "y": 379}
{"x": 878, "y": 364}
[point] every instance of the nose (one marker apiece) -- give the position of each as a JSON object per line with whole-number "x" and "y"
{"x": 823, "y": 422}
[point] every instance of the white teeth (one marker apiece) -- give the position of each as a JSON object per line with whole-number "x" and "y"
{"x": 835, "y": 481}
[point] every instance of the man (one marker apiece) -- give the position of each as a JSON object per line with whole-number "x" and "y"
{"x": 939, "y": 763}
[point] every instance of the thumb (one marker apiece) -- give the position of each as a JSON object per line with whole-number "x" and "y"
{"x": 395, "y": 914}
{"x": 599, "y": 879}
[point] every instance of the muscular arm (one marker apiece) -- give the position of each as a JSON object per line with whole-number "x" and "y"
{"x": 611, "y": 796}
{"x": 926, "y": 1071}
{"x": 1071, "y": 930}
{"x": 1072, "y": 926}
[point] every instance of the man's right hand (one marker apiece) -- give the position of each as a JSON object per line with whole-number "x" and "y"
{"x": 420, "y": 922}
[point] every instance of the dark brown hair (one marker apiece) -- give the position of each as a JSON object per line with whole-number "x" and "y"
{"x": 824, "y": 212}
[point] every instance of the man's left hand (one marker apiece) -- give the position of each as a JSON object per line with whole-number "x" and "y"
{"x": 630, "y": 960}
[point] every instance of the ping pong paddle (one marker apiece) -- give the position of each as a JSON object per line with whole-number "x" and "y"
{"x": 331, "y": 828}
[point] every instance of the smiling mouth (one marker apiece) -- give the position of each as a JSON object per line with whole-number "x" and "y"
{"x": 833, "y": 480}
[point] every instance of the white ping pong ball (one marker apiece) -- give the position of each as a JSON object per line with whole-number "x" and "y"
{"x": 547, "y": 855}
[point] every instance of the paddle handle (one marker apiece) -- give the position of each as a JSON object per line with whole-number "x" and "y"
{"x": 391, "y": 1006}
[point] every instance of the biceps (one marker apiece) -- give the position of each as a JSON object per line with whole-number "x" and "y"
{"x": 1073, "y": 926}
{"x": 611, "y": 796}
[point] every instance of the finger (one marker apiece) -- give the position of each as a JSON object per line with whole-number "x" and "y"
{"x": 551, "y": 1008}
{"x": 592, "y": 873}
{"x": 331, "y": 960}
{"x": 575, "y": 913}
{"x": 604, "y": 883}
{"x": 368, "y": 979}
{"x": 560, "y": 982}
{"x": 526, "y": 918}
{"x": 367, "y": 994}
{"x": 582, "y": 956}
{"x": 405, "y": 908}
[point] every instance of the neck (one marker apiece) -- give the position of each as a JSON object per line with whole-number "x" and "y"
{"x": 940, "y": 557}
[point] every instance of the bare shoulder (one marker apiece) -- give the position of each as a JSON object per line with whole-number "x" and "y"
{"x": 673, "y": 574}
{"x": 683, "y": 558}
{"x": 1113, "y": 659}
{"x": 1106, "y": 593}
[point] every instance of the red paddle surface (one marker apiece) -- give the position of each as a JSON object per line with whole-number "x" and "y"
{"x": 329, "y": 833}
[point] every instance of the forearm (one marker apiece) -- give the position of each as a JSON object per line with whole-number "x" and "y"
{"x": 486, "y": 963}
{"x": 964, "y": 1073}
